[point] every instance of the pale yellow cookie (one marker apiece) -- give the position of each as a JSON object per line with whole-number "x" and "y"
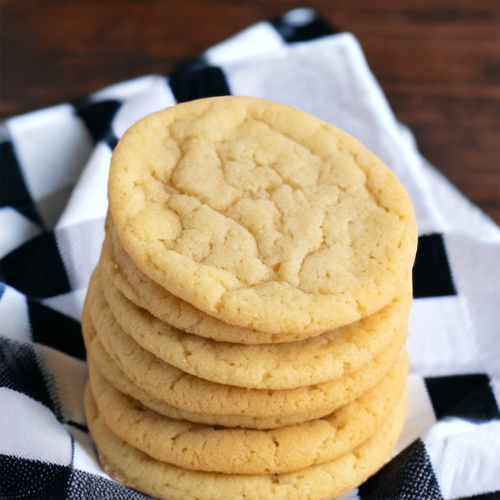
{"x": 273, "y": 366}
{"x": 195, "y": 394}
{"x": 245, "y": 451}
{"x": 261, "y": 215}
{"x": 99, "y": 359}
{"x": 148, "y": 295}
{"x": 134, "y": 468}
{"x": 144, "y": 292}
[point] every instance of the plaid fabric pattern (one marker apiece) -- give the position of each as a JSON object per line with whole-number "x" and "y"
{"x": 54, "y": 166}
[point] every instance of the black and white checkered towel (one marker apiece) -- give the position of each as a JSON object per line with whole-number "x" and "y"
{"x": 54, "y": 167}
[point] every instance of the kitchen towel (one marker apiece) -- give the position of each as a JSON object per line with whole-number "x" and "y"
{"x": 54, "y": 167}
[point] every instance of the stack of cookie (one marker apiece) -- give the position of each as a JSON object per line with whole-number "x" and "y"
{"x": 246, "y": 323}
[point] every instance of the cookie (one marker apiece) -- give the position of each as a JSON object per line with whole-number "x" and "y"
{"x": 99, "y": 359}
{"x": 329, "y": 480}
{"x": 144, "y": 292}
{"x": 198, "y": 395}
{"x": 273, "y": 366}
{"x": 148, "y": 295}
{"x": 261, "y": 215}
{"x": 245, "y": 451}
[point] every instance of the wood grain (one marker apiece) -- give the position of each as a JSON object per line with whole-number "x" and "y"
{"x": 438, "y": 62}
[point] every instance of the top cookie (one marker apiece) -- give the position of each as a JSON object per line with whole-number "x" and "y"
{"x": 261, "y": 215}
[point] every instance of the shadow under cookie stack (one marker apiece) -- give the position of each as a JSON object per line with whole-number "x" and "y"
{"x": 246, "y": 323}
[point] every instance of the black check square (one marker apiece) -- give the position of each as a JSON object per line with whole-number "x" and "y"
{"x": 97, "y": 116}
{"x": 314, "y": 28}
{"x": 198, "y": 80}
{"x": 408, "y": 476}
{"x": 431, "y": 272}
{"x": 56, "y": 330}
{"x": 36, "y": 268}
{"x": 13, "y": 190}
{"x": 463, "y": 396}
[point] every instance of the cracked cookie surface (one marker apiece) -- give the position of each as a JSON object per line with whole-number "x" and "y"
{"x": 247, "y": 451}
{"x": 187, "y": 392}
{"x": 331, "y": 479}
{"x": 261, "y": 215}
{"x": 100, "y": 360}
{"x": 274, "y": 366}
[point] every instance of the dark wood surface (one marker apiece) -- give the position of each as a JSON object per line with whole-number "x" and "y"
{"x": 438, "y": 62}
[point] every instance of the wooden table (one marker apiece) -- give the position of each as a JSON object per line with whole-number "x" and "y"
{"x": 438, "y": 62}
